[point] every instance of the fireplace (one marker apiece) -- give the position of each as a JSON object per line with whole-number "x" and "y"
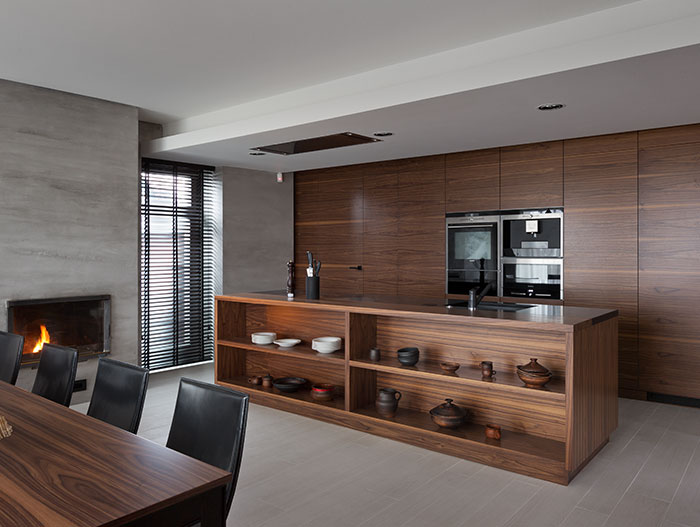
{"x": 82, "y": 323}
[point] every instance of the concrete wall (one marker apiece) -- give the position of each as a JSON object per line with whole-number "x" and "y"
{"x": 69, "y": 207}
{"x": 258, "y": 237}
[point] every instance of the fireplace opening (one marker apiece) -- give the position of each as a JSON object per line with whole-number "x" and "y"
{"x": 82, "y": 323}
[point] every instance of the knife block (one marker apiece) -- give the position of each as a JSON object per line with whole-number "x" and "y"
{"x": 313, "y": 287}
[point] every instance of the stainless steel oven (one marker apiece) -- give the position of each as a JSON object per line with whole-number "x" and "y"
{"x": 473, "y": 250}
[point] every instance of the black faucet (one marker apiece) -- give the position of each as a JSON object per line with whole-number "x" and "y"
{"x": 475, "y": 297}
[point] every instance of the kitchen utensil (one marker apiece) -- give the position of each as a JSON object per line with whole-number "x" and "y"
{"x": 450, "y": 367}
{"x": 317, "y": 267}
{"x": 448, "y": 415}
{"x": 493, "y": 431}
{"x": 326, "y": 344}
{"x": 267, "y": 381}
{"x": 313, "y": 286}
{"x": 289, "y": 384}
{"x": 287, "y": 343}
{"x": 322, "y": 392}
{"x": 375, "y": 354}
{"x": 387, "y": 402}
{"x": 487, "y": 371}
{"x": 263, "y": 338}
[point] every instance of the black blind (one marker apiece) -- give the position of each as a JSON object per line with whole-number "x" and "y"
{"x": 179, "y": 256}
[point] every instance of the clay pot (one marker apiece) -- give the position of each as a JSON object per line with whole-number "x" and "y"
{"x": 493, "y": 431}
{"x": 267, "y": 381}
{"x": 322, "y": 392}
{"x": 487, "y": 371}
{"x": 375, "y": 354}
{"x": 255, "y": 380}
{"x": 534, "y": 367}
{"x": 448, "y": 415}
{"x": 532, "y": 380}
{"x": 387, "y": 402}
{"x": 408, "y": 356}
{"x": 450, "y": 367}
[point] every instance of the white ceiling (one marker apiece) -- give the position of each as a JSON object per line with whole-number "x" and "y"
{"x": 180, "y": 58}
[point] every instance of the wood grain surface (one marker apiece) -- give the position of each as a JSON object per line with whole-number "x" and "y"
{"x": 472, "y": 181}
{"x": 532, "y": 176}
{"x": 61, "y": 468}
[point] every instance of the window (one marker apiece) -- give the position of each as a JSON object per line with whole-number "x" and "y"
{"x": 180, "y": 262}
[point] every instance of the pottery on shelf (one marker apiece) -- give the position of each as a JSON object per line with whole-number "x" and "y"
{"x": 448, "y": 415}
{"x": 322, "y": 392}
{"x": 487, "y": 371}
{"x": 267, "y": 381}
{"x": 450, "y": 367}
{"x": 263, "y": 338}
{"x": 289, "y": 384}
{"x": 287, "y": 343}
{"x": 387, "y": 402}
{"x": 408, "y": 356}
{"x": 375, "y": 354}
{"x": 326, "y": 344}
{"x": 534, "y": 367}
{"x": 533, "y": 374}
{"x": 256, "y": 380}
{"x": 493, "y": 431}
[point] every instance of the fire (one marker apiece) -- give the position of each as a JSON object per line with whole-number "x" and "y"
{"x": 45, "y": 337}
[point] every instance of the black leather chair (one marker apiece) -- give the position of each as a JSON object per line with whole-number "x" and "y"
{"x": 119, "y": 394}
{"x": 56, "y": 373}
{"x": 209, "y": 424}
{"x": 11, "y": 346}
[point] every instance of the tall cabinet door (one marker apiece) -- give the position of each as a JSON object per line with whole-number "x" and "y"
{"x": 532, "y": 176}
{"x": 381, "y": 229}
{"x": 328, "y": 221}
{"x": 669, "y": 260}
{"x": 600, "y": 235}
{"x": 472, "y": 181}
{"x": 422, "y": 227}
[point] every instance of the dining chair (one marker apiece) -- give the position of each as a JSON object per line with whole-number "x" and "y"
{"x": 119, "y": 394}
{"x": 56, "y": 373}
{"x": 11, "y": 346}
{"x": 209, "y": 424}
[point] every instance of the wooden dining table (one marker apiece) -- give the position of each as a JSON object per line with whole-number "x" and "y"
{"x": 60, "y": 468}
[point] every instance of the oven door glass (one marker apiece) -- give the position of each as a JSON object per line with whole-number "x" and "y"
{"x": 535, "y": 280}
{"x": 472, "y": 257}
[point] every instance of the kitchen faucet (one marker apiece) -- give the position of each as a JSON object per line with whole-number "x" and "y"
{"x": 475, "y": 297}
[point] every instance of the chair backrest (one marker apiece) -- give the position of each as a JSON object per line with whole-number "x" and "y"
{"x": 11, "y": 346}
{"x": 209, "y": 424}
{"x": 56, "y": 373}
{"x": 119, "y": 394}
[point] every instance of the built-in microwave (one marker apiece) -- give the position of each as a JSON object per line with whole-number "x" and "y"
{"x": 473, "y": 249}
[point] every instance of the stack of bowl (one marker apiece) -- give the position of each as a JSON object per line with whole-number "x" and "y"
{"x": 408, "y": 356}
{"x": 263, "y": 338}
{"x": 326, "y": 344}
{"x": 534, "y": 375}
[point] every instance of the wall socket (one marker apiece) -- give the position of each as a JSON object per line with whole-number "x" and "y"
{"x": 80, "y": 385}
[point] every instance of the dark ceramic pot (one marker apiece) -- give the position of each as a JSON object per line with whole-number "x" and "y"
{"x": 448, "y": 415}
{"x": 387, "y": 402}
{"x": 289, "y": 384}
{"x": 408, "y": 356}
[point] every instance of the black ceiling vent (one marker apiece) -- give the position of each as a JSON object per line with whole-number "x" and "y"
{"x": 314, "y": 144}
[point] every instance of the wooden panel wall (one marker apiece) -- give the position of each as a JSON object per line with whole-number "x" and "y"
{"x": 472, "y": 181}
{"x": 600, "y": 235}
{"x": 669, "y": 260}
{"x": 532, "y": 176}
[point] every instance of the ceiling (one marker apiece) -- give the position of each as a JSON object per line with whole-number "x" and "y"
{"x": 179, "y": 58}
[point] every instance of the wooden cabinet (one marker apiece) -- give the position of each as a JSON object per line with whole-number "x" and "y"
{"x": 421, "y": 212}
{"x": 532, "y": 176}
{"x": 669, "y": 252}
{"x": 328, "y": 221}
{"x": 600, "y": 235}
{"x": 472, "y": 181}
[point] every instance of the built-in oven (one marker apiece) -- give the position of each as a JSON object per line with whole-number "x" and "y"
{"x": 472, "y": 251}
{"x": 532, "y": 278}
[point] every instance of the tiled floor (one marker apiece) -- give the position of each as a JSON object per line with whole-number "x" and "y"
{"x": 301, "y": 472}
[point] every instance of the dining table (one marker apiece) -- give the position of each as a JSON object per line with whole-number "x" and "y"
{"x": 61, "y": 468}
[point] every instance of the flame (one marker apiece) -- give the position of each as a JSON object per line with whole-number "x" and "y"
{"x": 45, "y": 337}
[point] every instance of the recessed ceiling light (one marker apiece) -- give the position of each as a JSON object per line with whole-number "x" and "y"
{"x": 552, "y": 106}
{"x": 382, "y": 134}
{"x": 256, "y": 153}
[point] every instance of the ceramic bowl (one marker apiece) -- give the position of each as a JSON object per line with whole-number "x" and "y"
{"x": 263, "y": 338}
{"x": 493, "y": 431}
{"x": 533, "y": 380}
{"x": 326, "y": 344}
{"x": 289, "y": 384}
{"x": 287, "y": 343}
{"x": 450, "y": 367}
{"x": 322, "y": 392}
{"x": 408, "y": 356}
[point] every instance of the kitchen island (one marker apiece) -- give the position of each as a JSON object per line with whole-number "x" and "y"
{"x": 549, "y": 433}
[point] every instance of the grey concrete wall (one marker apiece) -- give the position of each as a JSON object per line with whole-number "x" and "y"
{"x": 258, "y": 223}
{"x": 69, "y": 207}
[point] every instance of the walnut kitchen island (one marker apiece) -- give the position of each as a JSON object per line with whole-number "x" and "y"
{"x": 548, "y": 433}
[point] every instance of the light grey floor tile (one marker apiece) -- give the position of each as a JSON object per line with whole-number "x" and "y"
{"x": 501, "y": 507}
{"x": 635, "y": 510}
{"x": 584, "y": 518}
{"x": 685, "y": 507}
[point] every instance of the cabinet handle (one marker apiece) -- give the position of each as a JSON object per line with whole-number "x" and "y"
{"x": 356, "y": 267}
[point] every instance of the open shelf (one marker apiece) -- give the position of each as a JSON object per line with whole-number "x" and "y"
{"x": 472, "y": 376}
{"x": 548, "y": 450}
{"x": 303, "y": 396}
{"x": 300, "y": 350}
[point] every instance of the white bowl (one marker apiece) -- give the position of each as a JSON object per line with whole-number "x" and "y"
{"x": 263, "y": 338}
{"x": 326, "y": 344}
{"x": 287, "y": 343}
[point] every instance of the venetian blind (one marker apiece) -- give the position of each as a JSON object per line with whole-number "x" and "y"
{"x": 180, "y": 262}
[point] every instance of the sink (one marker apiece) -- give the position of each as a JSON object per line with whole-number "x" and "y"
{"x": 491, "y": 306}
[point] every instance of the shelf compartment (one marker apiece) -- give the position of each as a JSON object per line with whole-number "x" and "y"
{"x": 301, "y": 351}
{"x": 506, "y": 381}
{"x": 523, "y": 453}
